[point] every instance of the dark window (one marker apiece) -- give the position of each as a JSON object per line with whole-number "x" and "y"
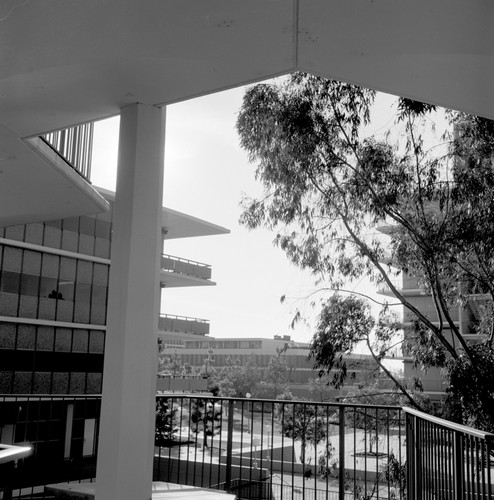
{"x": 9, "y": 282}
{"x": 87, "y": 225}
{"x": 30, "y": 284}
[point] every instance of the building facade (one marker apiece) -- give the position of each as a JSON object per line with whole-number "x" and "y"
{"x": 54, "y": 278}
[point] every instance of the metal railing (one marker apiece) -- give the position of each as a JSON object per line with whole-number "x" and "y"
{"x": 281, "y": 449}
{"x": 75, "y": 146}
{"x": 172, "y": 264}
{"x": 447, "y": 460}
{"x": 259, "y": 449}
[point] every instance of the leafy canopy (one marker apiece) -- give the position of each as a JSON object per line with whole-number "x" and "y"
{"x": 328, "y": 188}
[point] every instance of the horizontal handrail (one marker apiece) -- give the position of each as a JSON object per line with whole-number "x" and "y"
{"x": 184, "y": 318}
{"x": 185, "y": 261}
{"x": 450, "y": 425}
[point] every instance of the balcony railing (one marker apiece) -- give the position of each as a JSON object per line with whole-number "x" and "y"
{"x": 184, "y": 324}
{"x": 259, "y": 449}
{"x": 75, "y": 146}
{"x": 172, "y": 264}
{"x": 280, "y": 449}
{"x": 451, "y": 460}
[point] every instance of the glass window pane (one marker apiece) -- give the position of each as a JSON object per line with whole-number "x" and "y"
{"x": 68, "y": 269}
{"x": 80, "y": 341}
{"x": 84, "y": 271}
{"x": 9, "y": 282}
{"x": 53, "y": 237}
{"x": 45, "y": 339}
{"x": 63, "y": 340}
{"x": 50, "y": 266}
{"x": 31, "y": 262}
{"x": 15, "y": 233}
{"x": 7, "y": 336}
{"x": 34, "y": 234}
{"x": 26, "y": 337}
{"x": 12, "y": 259}
{"x": 48, "y": 288}
{"x": 96, "y": 341}
{"x": 71, "y": 224}
{"x": 29, "y": 284}
{"x": 82, "y": 292}
{"x": 87, "y": 225}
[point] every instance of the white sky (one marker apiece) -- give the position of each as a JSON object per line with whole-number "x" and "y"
{"x": 206, "y": 173}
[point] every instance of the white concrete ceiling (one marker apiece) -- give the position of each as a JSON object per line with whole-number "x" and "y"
{"x": 63, "y": 63}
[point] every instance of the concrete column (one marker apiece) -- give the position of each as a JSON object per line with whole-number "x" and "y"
{"x": 126, "y": 437}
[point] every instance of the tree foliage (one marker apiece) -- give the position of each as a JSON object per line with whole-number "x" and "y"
{"x": 302, "y": 422}
{"x": 328, "y": 186}
{"x": 167, "y": 422}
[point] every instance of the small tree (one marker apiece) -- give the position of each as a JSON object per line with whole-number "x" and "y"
{"x": 302, "y": 422}
{"x": 275, "y": 378}
{"x": 205, "y": 417}
{"x": 167, "y": 422}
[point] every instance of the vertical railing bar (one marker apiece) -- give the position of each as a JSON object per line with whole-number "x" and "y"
{"x": 325, "y": 452}
{"x": 354, "y": 447}
{"x": 488, "y": 451}
{"x": 303, "y": 453}
{"x": 468, "y": 469}
{"x": 177, "y": 403}
{"x": 458, "y": 466}
{"x": 282, "y": 406}
{"x": 365, "y": 449}
{"x": 341, "y": 475}
{"x": 293, "y": 446}
{"x": 377, "y": 452}
{"x": 187, "y": 462}
{"x": 482, "y": 466}
{"x": 251, "y": 405}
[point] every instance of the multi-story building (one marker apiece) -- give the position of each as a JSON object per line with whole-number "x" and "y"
{"x": 464, "y": 315}
{"x": 53, "y": 306}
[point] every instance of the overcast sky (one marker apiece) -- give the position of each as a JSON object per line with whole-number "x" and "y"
{"x": 206, "y": 174}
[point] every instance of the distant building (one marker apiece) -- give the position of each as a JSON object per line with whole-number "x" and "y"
{"x": 193, "y": 349}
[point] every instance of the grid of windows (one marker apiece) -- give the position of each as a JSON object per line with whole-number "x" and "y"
{"x": 45, "y": 286}
{"x": 49, "y": 360}
{"x": 86, "y": 235}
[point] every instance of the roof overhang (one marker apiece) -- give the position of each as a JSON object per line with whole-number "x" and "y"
{"x": 177, "y": 224}
{"x": 66, "y": 63}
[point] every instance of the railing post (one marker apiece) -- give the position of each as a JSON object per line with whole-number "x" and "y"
{"x": 458, "y": 471}
{"x": 229, "y": 446}
{"x": 341, "y": 475}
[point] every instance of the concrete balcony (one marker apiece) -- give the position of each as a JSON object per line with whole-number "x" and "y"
{"x": 406, "y": 286}
{"x": 183, "y": 324}
{"x": 178, "y": 272}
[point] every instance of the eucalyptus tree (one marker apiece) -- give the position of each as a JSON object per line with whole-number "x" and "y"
{"x": 328, "y": 186}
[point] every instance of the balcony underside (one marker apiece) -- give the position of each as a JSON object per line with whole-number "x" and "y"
{"x": 38, "y": 185}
